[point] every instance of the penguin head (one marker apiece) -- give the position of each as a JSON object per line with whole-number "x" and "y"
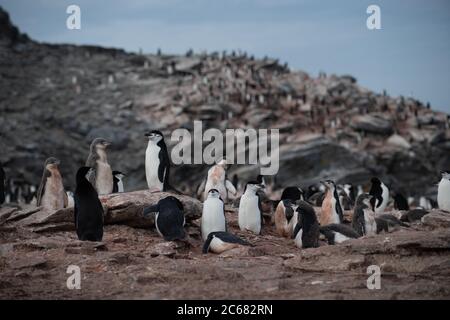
{"x": 329, "y": 184}
{"x": 365, "y": 200}
{"x": 81, "y": 174}
{"x": 304, "y": 209}
{"x": 51, "y": 163}
{"x": 118, "y": 174}
{"x": 446, "y": 175}
{"x": 254, "y": 186}
{"x": 375, "y": 181}
{"x": 213, "y": 193}
{"x": 99, "y": 143}
{"x": 154, "y": 136}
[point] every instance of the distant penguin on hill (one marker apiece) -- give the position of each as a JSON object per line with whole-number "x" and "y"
{"x": 169, "y": 218}
{"x": 443, "y": 197}
{"x": 88, "y": 211}
{"x": 51, "y": 194}
{"x": 118, "y": 181}
{"x": 2, "y": 185}
{"x": 338, "y": 233}
{"x": 213, "y": 215}
{"x": 157, "y": 162}
{"x": 380, "y": 195}
{"x": 331, "y": 206}
{"x": 221, "y": 241}
{"x": 306, "y": 231}
{"x": 400, "y": 202}
{"x": 250, "y": 211}
{"x": 100, "y": 175}
{"x": 217, "y": 179}
{"x": 284, "y": 222}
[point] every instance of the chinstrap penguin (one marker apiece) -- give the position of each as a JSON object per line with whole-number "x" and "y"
{"x": 213, "y": 215}
{"x": 217, "y": 179}
{"x": 100, "y": 175}
{"x": 331, "y": 206}
{"x": 118, "y": 181}
{"x": 88, "y": 210}
{"x": 338, "y": 233}
{"x": 306, "y": 231}
{"x": 380, "y": 195}
{"x": 443, "y": 197}
{"x": 51, "y": 194}
{"x": 169, "y": 218}
{"x": 250, "y": 212}
{"x": 363, "y": 221}
{"x": 220, "y": 241}
{"x": 157, "y": 162}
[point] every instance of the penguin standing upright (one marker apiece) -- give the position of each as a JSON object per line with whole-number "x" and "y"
{"x": 217, "y": 179}
{"x": 88, "y": 210}
{"x": 51, "y": 194}
{"x": 331, "y": 206}
{"x": 443, "y": 197}
{"x": 363, "y": 221}
{"x": 306, "y": 231}
{"x": 100, "y": 175}
{"x": 118, "y": 181}
{"x": 380, "y": 195}
{"x": 2, "y": 185}
{"x": 221, "y": 241}
{"x": 250, "y": 212}
{"x": 213, "y": 215}
{"x": 157, "y": 163}
{"x": 284, "y": 222}
{"x": 169, "y": 219}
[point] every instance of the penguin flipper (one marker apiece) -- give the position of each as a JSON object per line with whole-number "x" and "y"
{"x": 164, "y": 167}
{"x": 41, "y": 190}
{"x": 150, "y": 209}
{"x": 229, "y": 186}
{"x": 297, "y": 229}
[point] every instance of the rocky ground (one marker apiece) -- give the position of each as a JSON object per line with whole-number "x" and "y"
{"x": 134, "y": 263}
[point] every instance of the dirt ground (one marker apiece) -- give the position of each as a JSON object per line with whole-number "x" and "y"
{"x": 136, "y": 263}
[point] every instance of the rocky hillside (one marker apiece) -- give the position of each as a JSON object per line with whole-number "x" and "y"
{"x": 54, "y": 99}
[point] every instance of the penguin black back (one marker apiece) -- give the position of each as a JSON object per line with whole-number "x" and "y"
{"x": 376, "y": 192}
{"x": 400, "y": 202}
{"x": 169, "y": 218}
{"x": 225, "y": 237}
{"x": 88, "y": 210}
{"x": 307, "y": 221}
{"x": 292, "y": 193}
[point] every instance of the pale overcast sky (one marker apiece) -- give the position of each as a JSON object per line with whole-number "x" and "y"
{"x": 408, "y": 56}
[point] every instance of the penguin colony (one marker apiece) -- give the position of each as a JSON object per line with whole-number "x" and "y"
{"x": 304, "y": 217}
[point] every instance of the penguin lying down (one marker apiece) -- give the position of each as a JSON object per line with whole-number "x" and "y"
{"x": 220, "y": 241}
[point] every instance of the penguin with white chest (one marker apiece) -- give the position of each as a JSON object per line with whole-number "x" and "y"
{"x": 443, "y": 197}
{"x": 157, "y": 162}
{"x": 283, "y": 217}
{"x": 331, "y": 205}
{"x": 118, "y": 181}
{"x": 213, "y": 215}
{"x": 380, "y": 195}
{"x": 100, "y": 175}
{"x": 221, "y": 241}
{"x": 338, "y": 233}
{"x": 217, "y": 179}
{"x": 169, "y": 218}
{"x": 88, "y": 211}
{"x": 363, "y": 221}
{"x": 306, "y": 231}
{"x": 51, "y": 194}
{"x": 250, "y": 212}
